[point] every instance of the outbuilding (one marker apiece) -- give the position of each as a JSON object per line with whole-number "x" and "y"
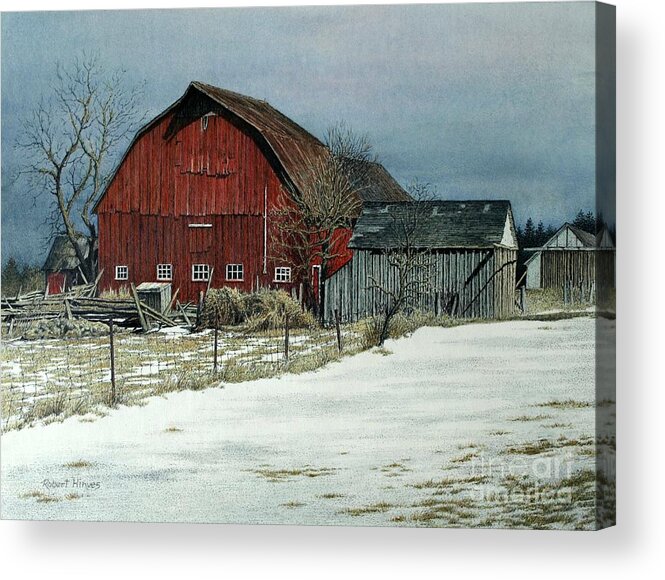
{"x": 469, "y": 248}
{"x": 61, "y": 268}
{"x": 572, "y": 256}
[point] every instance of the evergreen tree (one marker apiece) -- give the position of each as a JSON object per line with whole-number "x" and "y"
{"x": 529, "y": 234}
{"x": 585, "y": 221}
{"x": 540, "y": 234}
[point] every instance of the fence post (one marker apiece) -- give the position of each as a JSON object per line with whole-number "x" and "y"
{"x": 112, "y": 361}
{"x": 214, "y": 366}
{"x": 286, "y": 335}
{"x": 339, "y": 332}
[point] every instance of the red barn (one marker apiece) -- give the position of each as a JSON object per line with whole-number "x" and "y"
{"x": 193, "y": 195}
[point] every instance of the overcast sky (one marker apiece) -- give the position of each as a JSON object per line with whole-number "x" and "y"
{"x": 482, "y": 101}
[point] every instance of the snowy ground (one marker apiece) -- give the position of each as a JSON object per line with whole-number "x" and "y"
{"x": 479, "y": 425}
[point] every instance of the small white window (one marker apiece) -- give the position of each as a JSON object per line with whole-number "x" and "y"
{"x": 164, "y": 271}
{"x": 282, "y": 274}
{"x": 200, "y": 272}
{"x": 121, "y": 272}
{"x": 234, "y": 272}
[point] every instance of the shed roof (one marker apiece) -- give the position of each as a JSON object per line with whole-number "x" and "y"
{"x": 62, "y": 255}
{"x": 296, "y": 149}
{"x": 438, "y": 224}
{"x": 589, "y": 242}
{"x": 586, "y": 239}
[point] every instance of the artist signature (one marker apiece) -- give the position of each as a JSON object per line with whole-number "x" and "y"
{"x": 71, "y": 483}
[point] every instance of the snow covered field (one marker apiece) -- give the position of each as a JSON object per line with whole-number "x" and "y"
{"x": 478, "y": 425}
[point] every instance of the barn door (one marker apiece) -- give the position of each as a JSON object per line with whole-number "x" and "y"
{"x": 200, "y": 238}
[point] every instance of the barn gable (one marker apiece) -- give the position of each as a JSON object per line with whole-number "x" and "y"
{"x": 574, "y": 256}
{"x": 571, "y": 237}
{"x": 288, "y": 148}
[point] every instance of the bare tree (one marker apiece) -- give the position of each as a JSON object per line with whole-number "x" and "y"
{"x": 68, "y": 143}
{"x": 408, "y": 265}
{"x": 309, "y": 219}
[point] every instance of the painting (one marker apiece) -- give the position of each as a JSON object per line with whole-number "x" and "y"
{"x": 310, "y": 265}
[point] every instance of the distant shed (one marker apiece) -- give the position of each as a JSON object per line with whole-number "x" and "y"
{"x": 61, "y": 268}
{"x": 572, "y": 256}
{"x": 472, "y": 251}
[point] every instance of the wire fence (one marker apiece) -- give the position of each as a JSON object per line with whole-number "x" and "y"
{"x": 46, "y": 380}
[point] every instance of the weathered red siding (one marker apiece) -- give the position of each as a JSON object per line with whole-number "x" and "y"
{"x": 169, "y": 180}
{"x": 55, "y": 283}
{"x": 141, "y": 242}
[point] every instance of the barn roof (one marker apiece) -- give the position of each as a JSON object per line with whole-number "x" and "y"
{"x": 588, "y": 240}
{"x": 436, "y": 224}
{"x": 62, "y": 256}
{"x": 296, "y": 149}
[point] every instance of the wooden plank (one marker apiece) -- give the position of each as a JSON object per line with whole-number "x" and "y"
{"x": 137, "y": 303}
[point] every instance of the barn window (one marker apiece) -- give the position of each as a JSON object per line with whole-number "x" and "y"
{"x": 200, "y": 272}
{"x": 164, "y": 271}
{"x": 234, "y": 272}
{"x": 282, "y": 274}
{"x": 121, "y": 272}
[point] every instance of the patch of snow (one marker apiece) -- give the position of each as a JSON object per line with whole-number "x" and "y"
{"x": 439, "y": 390}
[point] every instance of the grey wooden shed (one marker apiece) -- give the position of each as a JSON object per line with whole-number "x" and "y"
{"x": 472, "y": 251}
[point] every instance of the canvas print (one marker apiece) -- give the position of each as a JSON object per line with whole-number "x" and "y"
{"x": 343, "y": 265}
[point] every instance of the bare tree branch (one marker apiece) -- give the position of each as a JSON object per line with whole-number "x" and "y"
{"x": 309, "y": 219}
{"x": 408, "y": 259}
{"x": 68, "y": 143}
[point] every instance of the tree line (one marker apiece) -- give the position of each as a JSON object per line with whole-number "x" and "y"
{"x": 20, "y": 277}
{"x": 533, "y": 236}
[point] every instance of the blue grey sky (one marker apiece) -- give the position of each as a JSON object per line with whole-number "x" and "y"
{"x": 480, "y": 100}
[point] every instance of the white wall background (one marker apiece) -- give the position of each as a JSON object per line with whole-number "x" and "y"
{"x": 72, "y": 550}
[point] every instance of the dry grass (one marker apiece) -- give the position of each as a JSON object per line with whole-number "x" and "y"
{"x": 123, "y": 293}
{"x": 566, "y": 404}
{"x": 292, "y": 504}
{"x": 375, "y": 508}
{"x": 465, "y": 458}
{"x": 222, "y": 307}
{"x": 78, "y": 464}
{"x": 267, "y": 310}
{"x": 544, "y": 445}
{"x": 40, "y": 496}
{"x": 276, "y": 475}
{"x": 449, "y": 482}
{"x": 332, "y": 495}
{"x": 525, "y": 418}
{"x": 547, "y": 299}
